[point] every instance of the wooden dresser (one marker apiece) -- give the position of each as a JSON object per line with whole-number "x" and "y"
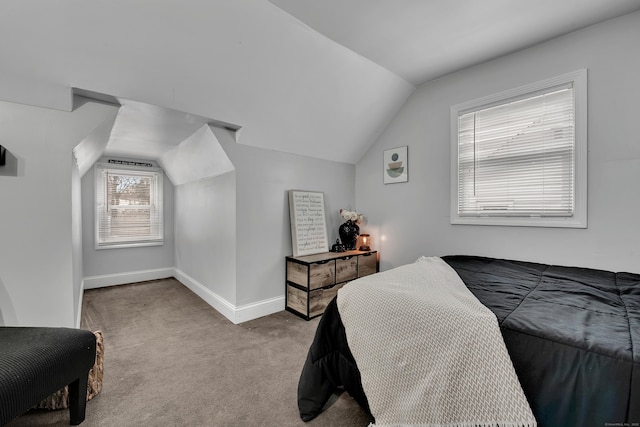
{"x": 313, "y": 280}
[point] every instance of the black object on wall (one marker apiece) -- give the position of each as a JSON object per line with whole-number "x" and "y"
{"x": 3, "y": 155}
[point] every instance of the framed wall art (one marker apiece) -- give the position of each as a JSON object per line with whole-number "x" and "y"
{"x": 308, "y": 226}
{"x": 395, "y": 165}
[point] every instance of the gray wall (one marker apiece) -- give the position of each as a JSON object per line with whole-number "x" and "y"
{"x": 76, "y": 239}
{"x": 205, "y": 233}
{"x": 39, "y": 282}
{"x": 119, "y": 261}
{"x": 263, "y": 179}
{"x": 412, "y": 219}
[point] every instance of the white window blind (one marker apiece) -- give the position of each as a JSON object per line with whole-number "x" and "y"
{"x": 516, "y": 157}
{"x": 128, "y": 206}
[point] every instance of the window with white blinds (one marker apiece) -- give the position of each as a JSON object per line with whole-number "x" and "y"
{"x": 520, "y": 156}
{"x": 128, "y": 206}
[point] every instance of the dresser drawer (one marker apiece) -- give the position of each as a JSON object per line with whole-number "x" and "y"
{"x": 313, "y": 275}
{"x": 310, "y": 304}
{"x": 346, "y": 268}
{"x": 367, "y": 264}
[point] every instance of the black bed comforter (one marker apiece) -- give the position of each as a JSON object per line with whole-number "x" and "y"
{"x": 573, "y": 335}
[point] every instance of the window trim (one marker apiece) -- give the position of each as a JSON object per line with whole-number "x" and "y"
{"x": 98, "y": 181}
{"x": 579, "y": 218}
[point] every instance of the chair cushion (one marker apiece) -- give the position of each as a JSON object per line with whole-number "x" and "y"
{"x": 35, "y": 362}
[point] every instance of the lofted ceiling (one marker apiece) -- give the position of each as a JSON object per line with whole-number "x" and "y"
{"x": 421, "y": 40}
{"x": 316, "y": 78}
{"x": 183, "y": 144}
{"x": 154, "y": 129}
{"x": 417, "y": 40}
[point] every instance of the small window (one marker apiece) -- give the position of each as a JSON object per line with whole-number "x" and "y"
{"x": 519, "y": 157}
{"x": 128, "y": 206}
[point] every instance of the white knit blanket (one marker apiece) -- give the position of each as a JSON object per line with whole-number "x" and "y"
{"x": 429, "y": 353}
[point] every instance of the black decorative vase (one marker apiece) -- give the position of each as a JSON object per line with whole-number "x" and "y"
{"x": 349, "y": 232}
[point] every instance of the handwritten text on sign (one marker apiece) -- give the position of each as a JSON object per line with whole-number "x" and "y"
{"x": 308, "y": 228}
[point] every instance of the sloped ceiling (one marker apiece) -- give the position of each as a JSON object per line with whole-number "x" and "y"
{"x": 316, "y": 78}
{"x": 183, "y": 144}
{"x": 150, "y": 130}
{"x": 197, "y": 157}
{"x": 421, "y": 40}
{"x": 243, "y": 62}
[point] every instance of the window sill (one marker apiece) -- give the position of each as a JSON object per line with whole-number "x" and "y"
{"x": 128, "y": 245}
{"x": 521, "y": 222}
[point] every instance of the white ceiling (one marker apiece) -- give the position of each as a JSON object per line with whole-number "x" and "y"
{"x": 421, "y": 40}
{"x": 149, "y": 131}
{"x": 317, "y": 78}
{"x": 418, "y": 40}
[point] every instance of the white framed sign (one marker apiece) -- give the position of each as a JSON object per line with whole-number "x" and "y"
{"x": 308, "y": 226}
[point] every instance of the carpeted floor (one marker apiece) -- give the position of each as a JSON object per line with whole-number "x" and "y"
{"x": 172, "y": 360}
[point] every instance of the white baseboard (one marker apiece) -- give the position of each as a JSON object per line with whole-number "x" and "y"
{"x": 262, "y": 308}
{"x": 235, "y": 314}
{"x": 214, "y": 300}
{"x": 93, "y": 282}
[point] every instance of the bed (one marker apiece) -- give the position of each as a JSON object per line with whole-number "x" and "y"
{"x": 572, "y": 334}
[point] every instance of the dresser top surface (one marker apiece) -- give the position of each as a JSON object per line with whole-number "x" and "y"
{"x": 326, "y": 256}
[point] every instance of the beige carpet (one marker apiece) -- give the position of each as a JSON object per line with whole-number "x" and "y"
{"x": 172, "y": 360}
